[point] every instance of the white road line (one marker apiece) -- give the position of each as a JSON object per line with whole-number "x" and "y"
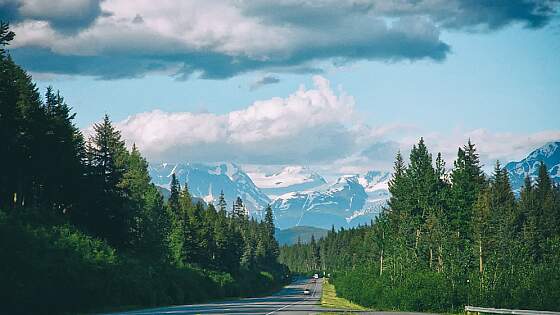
{"x": 285, "y": 306}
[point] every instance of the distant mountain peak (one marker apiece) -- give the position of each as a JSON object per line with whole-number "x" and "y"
{"x": 546, "y": 151}
{"x": 549, "y": 154}
{"x": 291, "y": 178}
{"x": 345, "y": 202}
{"x": 207, "y": 181}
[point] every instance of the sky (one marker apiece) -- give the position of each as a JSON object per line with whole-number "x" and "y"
{"x": 338, "y": 86}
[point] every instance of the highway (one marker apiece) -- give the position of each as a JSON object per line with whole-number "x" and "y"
{"x": 289, "y": 300}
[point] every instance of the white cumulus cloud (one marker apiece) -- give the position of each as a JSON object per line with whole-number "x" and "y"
{"x": 310, "y": 124}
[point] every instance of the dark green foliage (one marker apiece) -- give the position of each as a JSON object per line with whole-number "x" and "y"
{"x": 447, "y": 241}
{"x": 56, "y": 269}
{"x": 82, "y": 228}
{"x": 5, "y": 36}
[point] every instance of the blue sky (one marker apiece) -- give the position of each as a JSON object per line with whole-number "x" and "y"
{"x": 490, "y": 76}
{"x": 513, "y": 74}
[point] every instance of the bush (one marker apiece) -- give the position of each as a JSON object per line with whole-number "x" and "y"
{"x": 59, "y": 269}
{"x": 420, "y": 291}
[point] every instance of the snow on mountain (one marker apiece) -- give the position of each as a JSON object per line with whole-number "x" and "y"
{"x": 207, "y": 181}
{"x": 376, "y": 185}
{"x": 303, "y": 196}
{"x": 549, "y": 154}
{"x": 289, "y": 179}
{"x": 375, "y": 180}
{"x": 351, "y": 200}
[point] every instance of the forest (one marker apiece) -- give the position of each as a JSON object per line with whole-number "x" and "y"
{"x": 447, "y": 239}
{"x": 83, "y": 229}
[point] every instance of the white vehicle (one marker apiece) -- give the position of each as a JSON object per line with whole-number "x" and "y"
{"x": 306, "y": 291}
{"x": 316, "y": 276}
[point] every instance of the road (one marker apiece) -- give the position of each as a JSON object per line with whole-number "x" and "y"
{"x": 289, "y": 300}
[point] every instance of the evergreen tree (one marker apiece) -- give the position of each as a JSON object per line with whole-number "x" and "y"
{"x": 6, "y": 36}
{"x": 238, "y": 208}
{"x": 135, "y": 184}
{"x": 110, "y": 216}
{"x": 468, "y": 181}
{"x": 544, "y": 192}
{"x": 222, "y": 205}
{"x": 177, "y": 223}
{"x": 272, "y": 249}
{"x": 175, "y": 190}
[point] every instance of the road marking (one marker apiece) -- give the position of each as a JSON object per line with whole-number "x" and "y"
{"x": 305, "y": 299}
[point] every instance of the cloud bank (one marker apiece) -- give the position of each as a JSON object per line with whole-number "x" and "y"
{"x": 316, "y": 127}
{"x": 219, "y": 39}
{"x": 309, "y": 125}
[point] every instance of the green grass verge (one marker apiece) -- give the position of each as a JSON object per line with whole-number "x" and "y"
{"x": 330, "y": 300}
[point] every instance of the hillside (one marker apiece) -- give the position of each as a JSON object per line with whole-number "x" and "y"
{"x": 290, "y": 236}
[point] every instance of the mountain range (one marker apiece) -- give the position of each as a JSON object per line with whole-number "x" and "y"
{"x": 208, "y": 181}
{"x": 300, "y": 196}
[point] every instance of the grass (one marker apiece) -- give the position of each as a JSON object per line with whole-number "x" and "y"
{"x": 330, "y": 300}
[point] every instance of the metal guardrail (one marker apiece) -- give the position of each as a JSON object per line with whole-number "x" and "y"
{"x": 507, "y": 311}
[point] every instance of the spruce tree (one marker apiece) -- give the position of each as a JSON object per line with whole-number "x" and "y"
{"x": 544, "y": 192}
{"x": 222, "y": 205}
{"x": 177, "y": 225}
{"x": 529, "y": 220}
{"x": 467, "y": 180}
{"x": 6, "y": 36}
{"x": 238, "y": 208}
{"x": 109, "y": 217}
{"x": 271, "y": 245}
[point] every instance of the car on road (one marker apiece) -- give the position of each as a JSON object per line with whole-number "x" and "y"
{"x": 306, "y": 291}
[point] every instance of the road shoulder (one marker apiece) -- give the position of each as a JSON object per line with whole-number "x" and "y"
{"x": 330, "y": 300}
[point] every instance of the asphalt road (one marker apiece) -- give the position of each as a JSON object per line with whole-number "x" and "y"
{"x": 289, "y": 300}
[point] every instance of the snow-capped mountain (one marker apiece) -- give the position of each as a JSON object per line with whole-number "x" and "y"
{"x": 289, "y": 179}
{"x": 376, "y": 185}
{"x": 207, "y": 181}
{"x": 342, "y": 204}
{"x": 301, "y": 196}
{"x": 549, "y": 154}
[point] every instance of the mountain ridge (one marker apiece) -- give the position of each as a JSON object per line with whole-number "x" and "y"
{"x": 549, "y": 154}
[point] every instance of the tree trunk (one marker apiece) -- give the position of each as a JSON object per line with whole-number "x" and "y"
{"x": 440, "y": 259}
{"x": 381, "y": 263}
{"x": 480, "y": 261}
{"x": 431, "y": 257}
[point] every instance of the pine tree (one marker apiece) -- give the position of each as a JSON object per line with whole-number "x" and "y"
{"x": 248, "y": 256}
{"x": 529, "y": 219}
{"x": 109, "y": 217}
{"x": 398, "y": 187}
{"x": 135, "y": 184}
{"x": 467, "y": 179}
{"x": 238, "y": 208}
{"x": 177, "y": 223}
{"x": 544, "y": 192}
{"x": 314, "y": 256}
{"x": 6, "y": 36}
{"x": 272, "y": 249}
{"x": 222, "y": 205}
{"x": 173, "y": 201}
{"x": 154, "y": 228}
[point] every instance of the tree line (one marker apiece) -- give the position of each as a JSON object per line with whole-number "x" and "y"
{"x": 447, "y": 239}
{"x": 82, "y": 227}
